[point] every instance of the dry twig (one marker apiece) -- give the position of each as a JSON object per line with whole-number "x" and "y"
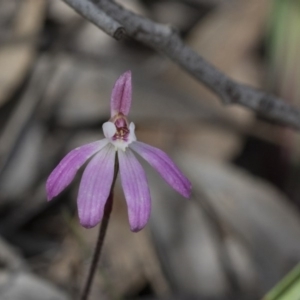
{"x": 166, "y": 40}
{"x": 97, "y": 17}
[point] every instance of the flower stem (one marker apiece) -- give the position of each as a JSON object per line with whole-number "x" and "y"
{"x": 101, "y": 237}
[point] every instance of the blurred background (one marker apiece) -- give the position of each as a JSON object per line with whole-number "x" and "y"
{"x": 240, "y": 232}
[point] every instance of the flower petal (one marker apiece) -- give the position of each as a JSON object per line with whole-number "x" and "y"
{"x": 66, "y": 170}
{"x": 136, "y": 190}
{"x": 161, "y": 162}
{"x": 109, "y": 129}
{"x": 95, "y": 187}
{"x": 121, "y": 95}
{"x": 132, "y": 137}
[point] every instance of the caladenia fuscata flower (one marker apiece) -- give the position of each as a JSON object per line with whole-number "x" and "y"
{"x": 98, "y": 176}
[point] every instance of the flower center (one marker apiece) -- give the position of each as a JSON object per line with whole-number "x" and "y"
{"x": 121, "y": 124}
{"x": 119, "y": 132}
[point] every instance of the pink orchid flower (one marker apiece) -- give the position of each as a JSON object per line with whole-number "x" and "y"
{"x": 98, "y": 176}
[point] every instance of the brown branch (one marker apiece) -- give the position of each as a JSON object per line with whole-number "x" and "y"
{"x": 164, "y": 39}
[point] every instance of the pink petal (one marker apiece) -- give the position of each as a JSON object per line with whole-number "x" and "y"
{"x": 135, "y": 186}
{"x": 95, "y": 187}
{"x": 121, "y": 95}
{"x": 161, "y": 162}
{"x": 66, "y": 170}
